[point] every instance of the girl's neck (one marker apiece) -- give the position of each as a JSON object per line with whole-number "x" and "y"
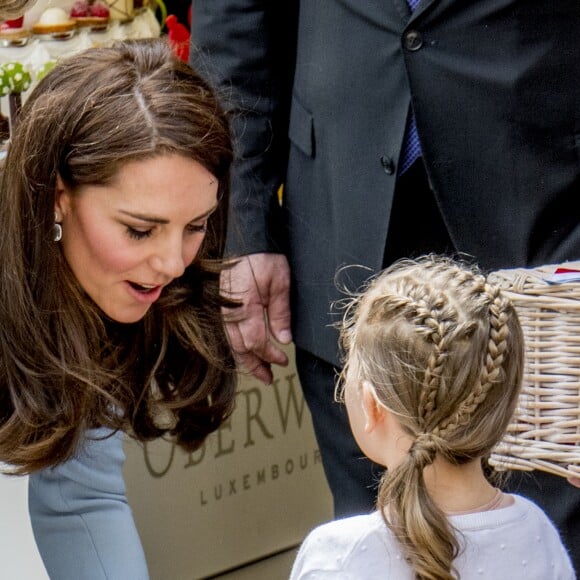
{"x": 459, "y": 489}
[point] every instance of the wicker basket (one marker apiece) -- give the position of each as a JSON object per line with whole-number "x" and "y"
{"x": 545, "y": 431}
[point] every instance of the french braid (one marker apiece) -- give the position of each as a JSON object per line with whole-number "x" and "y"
{"x": 432, "y": 317}
{"x": 500, "y": 309}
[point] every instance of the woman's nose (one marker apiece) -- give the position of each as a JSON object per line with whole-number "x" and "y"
{"x": 170, "y": 258}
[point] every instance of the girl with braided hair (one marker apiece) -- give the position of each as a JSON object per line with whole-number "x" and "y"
{"x": 434, "y": 362}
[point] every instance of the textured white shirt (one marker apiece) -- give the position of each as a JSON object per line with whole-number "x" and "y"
{"x": 517, "y": 542}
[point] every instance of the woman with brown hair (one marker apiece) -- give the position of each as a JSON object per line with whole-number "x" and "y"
{"x": 434, "y": 363}
{"x": 113, "y": 215}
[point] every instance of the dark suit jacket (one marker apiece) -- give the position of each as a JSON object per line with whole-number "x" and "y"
{"x": 495, "y": 85}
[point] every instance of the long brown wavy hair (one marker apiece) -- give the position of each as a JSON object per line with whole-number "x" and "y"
{"x": 444, "y": 351}
{"x": 64, "y": 367}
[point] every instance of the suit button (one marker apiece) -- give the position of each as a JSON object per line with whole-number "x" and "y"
{"x": 413, "y": 40}
{"x": 388, "y": 165}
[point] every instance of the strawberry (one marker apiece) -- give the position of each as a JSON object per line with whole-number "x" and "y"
{"x": 99, "y": 9}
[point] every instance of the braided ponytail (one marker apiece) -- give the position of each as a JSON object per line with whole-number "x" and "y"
{"x": 425, "y": 537}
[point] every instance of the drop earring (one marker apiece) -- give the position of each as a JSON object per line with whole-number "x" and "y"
{"x": 57, "y": 230}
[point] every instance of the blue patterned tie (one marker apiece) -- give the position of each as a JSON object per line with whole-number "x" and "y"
{"x": 411, "y": 144}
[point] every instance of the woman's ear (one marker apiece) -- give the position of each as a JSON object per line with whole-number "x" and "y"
{"x": 374, "y": 411}
{"x": 62, "y": 199}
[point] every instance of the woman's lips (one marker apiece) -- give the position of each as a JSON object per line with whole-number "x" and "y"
{"x": 144, "y": 293}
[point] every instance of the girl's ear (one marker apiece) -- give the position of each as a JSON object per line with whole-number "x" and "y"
{"x": 374, "y": 411}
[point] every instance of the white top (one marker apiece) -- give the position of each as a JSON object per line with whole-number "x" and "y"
{"x": 510, "y": 543}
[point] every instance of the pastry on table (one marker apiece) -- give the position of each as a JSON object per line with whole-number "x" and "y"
{"x": 90, "y": 13}
{"x": 12, "y": 33}
{"x": 53, "y": 20}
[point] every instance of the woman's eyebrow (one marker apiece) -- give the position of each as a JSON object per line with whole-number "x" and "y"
{"x": 205, "y": 213}
{"x": 144, "y": 217}
{"x": 157, "y": 220}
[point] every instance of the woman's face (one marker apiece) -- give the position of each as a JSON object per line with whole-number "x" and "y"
{"x": 127, "y": 240}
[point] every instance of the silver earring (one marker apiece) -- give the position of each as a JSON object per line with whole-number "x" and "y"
{"x": 57, "y": 230}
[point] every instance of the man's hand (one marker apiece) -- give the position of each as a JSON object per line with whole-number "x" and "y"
{"x": 261, "y": 282}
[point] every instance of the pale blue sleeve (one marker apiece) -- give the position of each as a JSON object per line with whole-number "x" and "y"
{"x": 81, "y": 521}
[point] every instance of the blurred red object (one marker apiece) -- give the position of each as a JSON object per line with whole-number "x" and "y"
{"x": 178, "y": 36}
{"x": 13, "y": 22}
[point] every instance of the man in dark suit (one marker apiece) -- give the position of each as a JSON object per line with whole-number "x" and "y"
{"x": 414, "y": 126}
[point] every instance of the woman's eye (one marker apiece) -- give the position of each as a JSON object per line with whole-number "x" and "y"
{"x": 138, "y": 234}
{"x": 197, "y": 228}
